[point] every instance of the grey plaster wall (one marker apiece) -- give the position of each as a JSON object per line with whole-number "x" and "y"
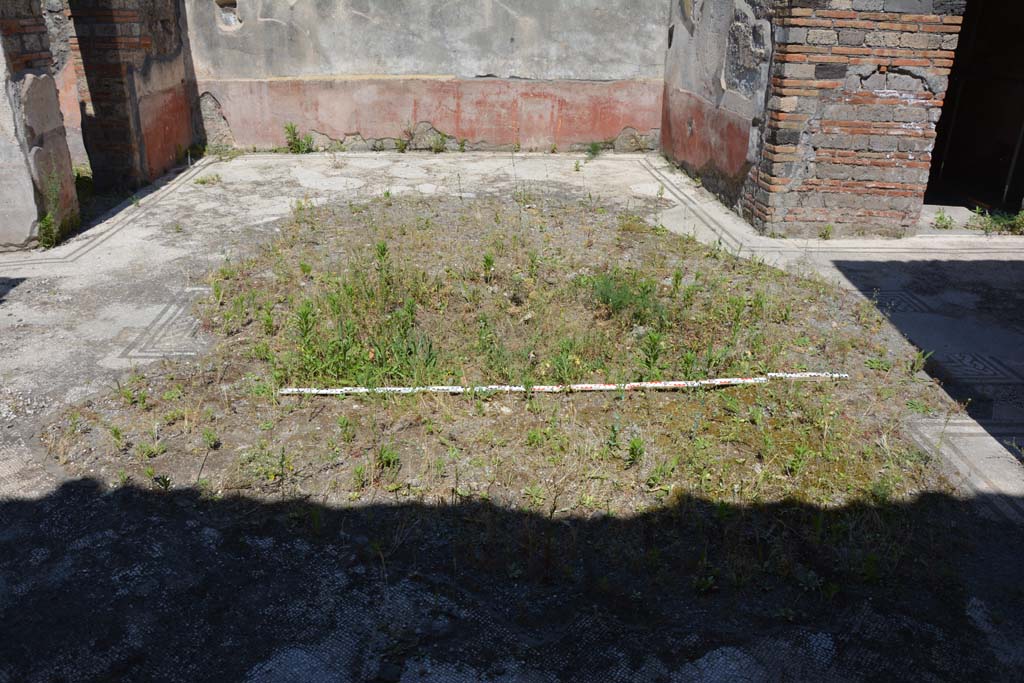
{"x": 716, "y": 82}
{"x": 720, "y": 52}
{"x": 535, "y": 39}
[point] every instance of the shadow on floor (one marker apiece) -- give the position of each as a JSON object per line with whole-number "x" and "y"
{"x": 970, "y": 316}
{"x": 137, "y": 584}
{"x": 100, "y": 207}
{"x": 7, "y": 284}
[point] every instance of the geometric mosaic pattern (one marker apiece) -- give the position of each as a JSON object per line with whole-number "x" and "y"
{"x": 118, "y": 218}
{"x": 174, "y": 332}
{"x": 896, "y": 301}
{"x": 1015, "y": 327}
{"x": 976, "y": 368}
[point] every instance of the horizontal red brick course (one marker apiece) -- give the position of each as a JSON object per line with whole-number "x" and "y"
{"x": 870, "y": 136}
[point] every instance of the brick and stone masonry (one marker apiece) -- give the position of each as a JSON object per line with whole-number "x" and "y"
{"x": 134, "y": 86}
{"x": 856, "y": 91}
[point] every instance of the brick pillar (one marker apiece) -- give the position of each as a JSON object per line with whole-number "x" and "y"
{"x": 37, "y": 189}
{"x": 856, "y": 91}
{"x": 135, "y": 85}
{"x": 106, "y": 45}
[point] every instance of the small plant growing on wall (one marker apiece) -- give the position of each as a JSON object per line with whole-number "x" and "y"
{"x": 49, "y": 225}
{"x": 53, "y": 227}
{"x": 297, "y": 143}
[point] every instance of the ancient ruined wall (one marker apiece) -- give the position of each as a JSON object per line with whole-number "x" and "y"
{"x": 716, "y": 78}
{"x": 135, "y": 86}
{"x": 811, "y": 116}
{"x": 857, "y": 88}
{"x": 18, "y": 211}
{"x": 57, "y": 16}
{"x": 37, "y": 193}
{"x": 493, "y": 73}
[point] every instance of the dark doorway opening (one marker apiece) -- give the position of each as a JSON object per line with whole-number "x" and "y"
{"x": 979, "y": 152}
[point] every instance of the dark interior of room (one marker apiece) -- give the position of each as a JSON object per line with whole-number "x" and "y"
{"x": 979, "y": 152}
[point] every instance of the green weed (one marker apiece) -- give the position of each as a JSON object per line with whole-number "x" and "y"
{"x": 347, "y": 429}
{"x": 54, "y": 226}
{"x": 650, "y": 356}
{"x": 117, "y": 435}
{"x": 628, "y": 293}
{"x": 210, "y": 439}
{"x": 879, "y": 363}
{"x": 173, "y": 416}
{"x": 919, "y": 362}
{"x": 388, "y": 458}
{"x": 534, "y": 493}
{"x": 296, "y": 142}
{"x": 151, "y": 449}
{"x": 662, "y": 472}
{"x": 943, "y": 221}
{"x": 265, "y": 464}
{"x": 918, "y": 406}
{"x": 359, "y": 478}
{"x": 488, "y": 267}
{"x": 636, "y": 452}
{"x": 173, "y": 394}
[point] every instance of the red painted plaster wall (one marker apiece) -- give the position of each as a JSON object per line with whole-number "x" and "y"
{"x": 705, "y": 139}
{"x": 534, "y": 114}
{"x": 166, "y": 122}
